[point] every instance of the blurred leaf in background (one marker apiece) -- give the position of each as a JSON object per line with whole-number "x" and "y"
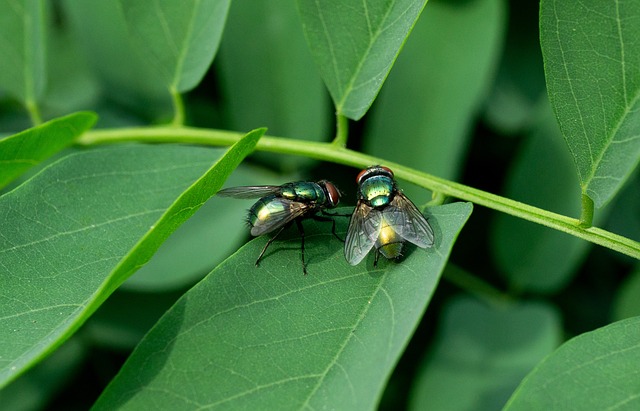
{"x": 426, "y": 109}
{"x": 532, "y": 258}
{"x": 482, "y": 352}
{"x": 280, "y": 86}
{"x": 99, "y": 29}
{"x": 23, "y": 48}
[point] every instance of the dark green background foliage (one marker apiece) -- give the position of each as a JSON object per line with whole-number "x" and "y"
{"x": 126, "y": 284}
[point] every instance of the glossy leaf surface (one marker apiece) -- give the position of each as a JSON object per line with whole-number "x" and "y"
{"x": 328, "y": 339}
{"x": 22, "y": 151}
{"x": 179, "y": 38}
{"x": 597, "y": 370}
{"x": 79, "y": 228}
{"x": 592, "y": 65}
{"x": 355, "y": 43}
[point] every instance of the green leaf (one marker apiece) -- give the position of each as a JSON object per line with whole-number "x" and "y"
{"x": 178, "y": 38}
{"x": 355, "y": 43}
{"x": 22, "y": 47}
{"x": 542, "y": 174}
{"x": 99, "y": 29}
{"x": 592, "y": 64}
{"x": 625, "y": 218}
{"x": 519, "y": 84}
{"x": 281, "y": 87}
{"x": 627, "y": 302}
{"x": 482, "y": 353}
{"x": 597, "y": 370}
{"x": 74, "y": 232}
{"x": 71, "y": 85}
{"x": 22, "y": 151}
{"x": 424, "y": 114}
{"x": 272, "y": 338}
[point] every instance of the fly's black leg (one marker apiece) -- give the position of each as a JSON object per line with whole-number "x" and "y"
{"x": 301, "y": 231}
{"x": 375, "y": 260}
{"x": 271, "y": 240}
{"x": 333, "y": 224}
{"x": 335, "y": 214}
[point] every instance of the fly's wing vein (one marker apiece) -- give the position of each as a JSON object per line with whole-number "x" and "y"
{"x": 409, "y": 222}
{"x": 362, "y": 234}
{"x": 287, "y": 212}
{"x": 249, "y": 191}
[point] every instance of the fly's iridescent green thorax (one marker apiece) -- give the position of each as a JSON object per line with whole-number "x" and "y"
{"x": 376, "y": 186}
{"x": 304, "y": 191}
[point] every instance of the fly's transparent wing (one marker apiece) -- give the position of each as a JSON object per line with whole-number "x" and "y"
{"x": 364, "y": 228}
{"x": 249, "y": 191}
{"x": 408, "y": 221}
{"x": 280, "y": 212}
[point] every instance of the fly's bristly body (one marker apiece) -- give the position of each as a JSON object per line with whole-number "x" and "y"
{"x": 384, "y": 218}
{"x": 279, "y": 206}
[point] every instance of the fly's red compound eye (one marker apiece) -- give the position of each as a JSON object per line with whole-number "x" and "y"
{"x": 387, "y": 169}
{"x": 373, "y": 170}
{"x": 360, "y": 175}
{"x": 334, "y": 194}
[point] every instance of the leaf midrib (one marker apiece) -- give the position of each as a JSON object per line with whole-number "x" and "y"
{"x": 342, "y": 348}
{"x": 628, "y": 104}
{"x": 356, "y": 74}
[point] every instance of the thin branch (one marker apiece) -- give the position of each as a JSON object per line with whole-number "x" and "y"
{"x": 336, "y": 154}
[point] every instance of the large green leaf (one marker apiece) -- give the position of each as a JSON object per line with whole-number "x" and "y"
{"x": 22, "y": 151}
{"x": 542, "y": 174}
{"x": 272, "y": 338}
{"x": 74, "y": 232}
{"x": 425, "y": 111}
{"x": 22, "y": 47}
{"x": 178, "y": 38}
{"x": 354, "y": 44}
{"x": 592, "y": 64}
{"x": 482, "y": 353}
{"x": 597, "y": 370}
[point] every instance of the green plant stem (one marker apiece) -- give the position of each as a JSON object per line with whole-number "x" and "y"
{"x": 334, "y": 153}
{"x": 342, "y": 131}
{"x": 34, "y": 112}
{"x": 178, "y": 108}
{"x": 586, "y": 218}
{"x": 474, "y": 285}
